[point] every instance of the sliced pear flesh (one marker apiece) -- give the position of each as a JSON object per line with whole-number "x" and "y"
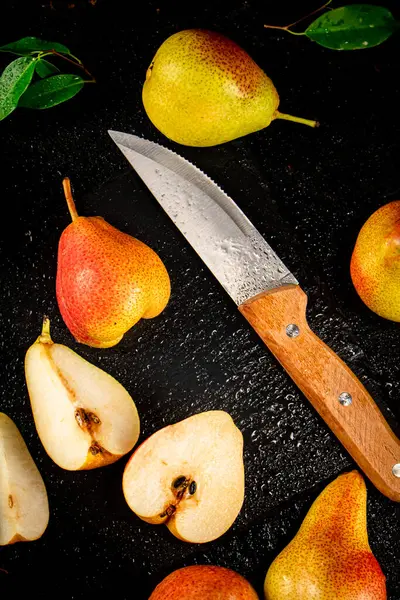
{"x": 24, "y": 507}
{"x": 190, "y": 476}
{"x": 84, "y": 417}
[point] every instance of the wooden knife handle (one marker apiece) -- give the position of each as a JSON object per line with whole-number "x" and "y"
{"x": 279, "y": 318}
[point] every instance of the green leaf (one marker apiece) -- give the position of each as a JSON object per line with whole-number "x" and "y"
{"x": 352, "y": 27}
{"x": 13, "y": 82}
{"x": 32, "y": 44}
{"x": 51, "y": 91}
{"x": 44, "y": 68}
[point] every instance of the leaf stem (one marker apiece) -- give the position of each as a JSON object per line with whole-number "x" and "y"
{"x": 287, "y": 27}
{"x": 77, "y": 64}
{"x": 68, "y": 196}
{"x": 76, "y": 58}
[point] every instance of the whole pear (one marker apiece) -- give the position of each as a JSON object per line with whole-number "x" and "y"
{"x": 202, "y": 89}
{"x": 375, "y": 263}
{"x": 106, "y": 279}
{"x": 204, "y": 582}
{"x": 330, "y": 557}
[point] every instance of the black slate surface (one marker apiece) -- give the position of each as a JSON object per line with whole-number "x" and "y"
{"x": 308, "y": 191}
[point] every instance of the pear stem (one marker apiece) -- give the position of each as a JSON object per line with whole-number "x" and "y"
{"x": 44, "y": 337}
{"x": 309, "y": 122}
{"x": 68, "y": 196}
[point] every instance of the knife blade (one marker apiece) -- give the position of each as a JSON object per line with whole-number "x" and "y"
{"x": 270, "y": 298}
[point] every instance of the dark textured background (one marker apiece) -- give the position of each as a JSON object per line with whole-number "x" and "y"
{"x": 308, "y": 191}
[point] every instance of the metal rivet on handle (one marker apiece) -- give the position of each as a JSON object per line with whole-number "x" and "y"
{"x": 396, "y": 470}
{"x": 345, "y": 399}
{"x": 292, "y": 330}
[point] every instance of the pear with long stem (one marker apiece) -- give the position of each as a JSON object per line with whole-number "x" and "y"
{"x": 202, "y": 89}
{"x": 106, "y": 279}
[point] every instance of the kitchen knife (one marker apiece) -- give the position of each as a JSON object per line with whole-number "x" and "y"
{"x": 270, "y": 298}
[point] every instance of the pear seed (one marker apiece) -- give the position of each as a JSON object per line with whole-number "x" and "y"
{"x": 95, "y": 449}
{"x": 84, "y": 419}
{"x": 192, "y": 488}
{"x": 81, "y": 418}
{"x": 179, "y": 481}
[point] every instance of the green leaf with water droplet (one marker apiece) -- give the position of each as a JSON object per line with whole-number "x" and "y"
{"x": 13, "y": 82}
{"x": 44, "y": 68}
{"x": 352, "y": 27}
{"x": 51, "y": 91}
{"x": 32, "y": 44}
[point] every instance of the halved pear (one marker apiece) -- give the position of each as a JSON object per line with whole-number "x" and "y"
{"x": 24, "y": 507}
{"x": 190, "y": 476}
{"x": 84, "y": 417}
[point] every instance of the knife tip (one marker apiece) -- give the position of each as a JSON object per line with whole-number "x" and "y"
{"x": 114, "y": 135}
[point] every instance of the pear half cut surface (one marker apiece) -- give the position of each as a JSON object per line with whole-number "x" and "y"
{"x": 24, "y": 507}
{"x": 84, "y": 417}
{"x": 190, "y": 476}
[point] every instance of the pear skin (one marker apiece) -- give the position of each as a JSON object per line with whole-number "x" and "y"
{"x": 375, "y": 263}
{"x": 106, "y": 280}
{"x": 204, "y": 582}
{"x": 202, "y": 89}
{"x": 330, "y": 557}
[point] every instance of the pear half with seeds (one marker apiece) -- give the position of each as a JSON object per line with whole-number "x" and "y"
{"x": 84, "y": 417}
{"x": 24, "y": 507}
{"x": 190, "y": 476}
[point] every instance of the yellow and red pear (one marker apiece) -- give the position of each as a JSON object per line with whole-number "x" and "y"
{"x": 375, "y": 263}
{"x": 106, "y": 279}
{"x": 204, "y": 582}
{"x": 202, "y": 89}
{"x": 330, "y": 557}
